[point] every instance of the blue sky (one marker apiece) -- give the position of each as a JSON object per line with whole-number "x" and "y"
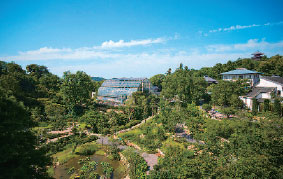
{"x": 136, "y": 38}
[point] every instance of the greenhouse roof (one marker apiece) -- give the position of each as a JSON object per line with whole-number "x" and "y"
{"x": 123, "y": 82}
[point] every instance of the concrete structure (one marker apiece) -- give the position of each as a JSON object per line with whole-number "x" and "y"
{"x": 264, "y": 89}
{"x": 241, "y": 73}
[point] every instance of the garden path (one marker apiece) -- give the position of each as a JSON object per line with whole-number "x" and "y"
{"x": 151, "y": 159}
{"x": 133, "y": 127}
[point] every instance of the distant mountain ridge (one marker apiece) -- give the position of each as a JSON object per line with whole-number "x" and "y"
{"x": 97, "y": 78}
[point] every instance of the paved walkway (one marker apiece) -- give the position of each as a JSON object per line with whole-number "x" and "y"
{"x": 151, "y": 159}
{"x": 186, "y": 136}
{"x": 133, "y": 127}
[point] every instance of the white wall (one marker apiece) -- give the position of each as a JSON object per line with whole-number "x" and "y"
{"x": 265, "y": 83}
{"x": 253, "y": 78}
{"x": 265, "y": 95}
{"x": 247, "y": 101}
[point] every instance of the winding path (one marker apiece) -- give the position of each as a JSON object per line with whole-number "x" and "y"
{"x": 151, "y": 159}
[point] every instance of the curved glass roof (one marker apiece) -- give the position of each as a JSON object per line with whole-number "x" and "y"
{"x": 118, "y": 89}
{"x": 115, "y": 92}
{"x": 118, "y": 83}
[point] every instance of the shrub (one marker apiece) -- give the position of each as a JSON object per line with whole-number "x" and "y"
{"x": 86, "y": 149}
{"x": 266, "y": 105}
{"x": 228, "y": 111}
{"x": 87, "y": 170}
{"x": 71, "y": 170}
{"x": 91, "y": 138}
{"x": 254, "y": 107}
{"x": 277, "y": 107}
{"x": 138, "y": 165}
{"x": 114, "y": 151}
{"x": 206, "y": 107}
{"x": 100, "y": 152}
{"x": 107, "y": 169}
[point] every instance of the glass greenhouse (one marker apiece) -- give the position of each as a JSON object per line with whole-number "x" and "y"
{"x": 115, "y": 91}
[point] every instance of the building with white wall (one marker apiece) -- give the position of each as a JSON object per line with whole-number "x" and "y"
{"x": 266, "y": 88}
{"x": 242, "y": 73}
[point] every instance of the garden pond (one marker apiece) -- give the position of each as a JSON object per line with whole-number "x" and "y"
{"x": 61, "y": 171}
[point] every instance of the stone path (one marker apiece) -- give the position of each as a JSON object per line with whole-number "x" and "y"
{"x": 133, "y": 127}
{"x": 186, "y": 136}
{"x": 68, "y": 130}
{"x": 105, "y": 141}
{"x": 151, "y": 159}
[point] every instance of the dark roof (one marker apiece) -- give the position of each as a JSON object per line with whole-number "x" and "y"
{"x": 240, "y": 71}
{"x": 210, "y": 80}
{"x": 257, "y": 53}
{"x": 257, "y": 90}
{"x": 276, "y": 79}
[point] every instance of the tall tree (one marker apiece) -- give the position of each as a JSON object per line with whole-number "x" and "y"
{"x": 181, "y": 86}
{"x": 157, "y": 80}
{"x": 20, "y": 157}
{"x": 76, "y": 90}
{"x": 277, "y": 107}
{"x": 226, "y": 93}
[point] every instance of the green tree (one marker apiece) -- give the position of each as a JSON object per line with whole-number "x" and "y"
{"x": 107, "y": 169}
{"x": 236, "y": 102}
{"x": 226, "y": 93}
{"x": 228, "y": 111}
{"x": 266, "y": 105}
{"x": 36, "y": 70}
{"x": 182, "y": 87}
{"x": 76, "y": 90}
{"x": 254, "y": 106}
{"x": 277, "y": 107}
{"x": 157, "y": 80}
{"x": 206, "y": 107}
{"x": 97, "y": 120}
{"x": 20, "y": 158}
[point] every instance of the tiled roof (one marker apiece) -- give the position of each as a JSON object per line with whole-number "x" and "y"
{"x": 276, "y": 79}
{"x": 210, "y": 80}
{"x": 257, "y": 53}
{"x": 240, "y": 72}
{"x": 257, "y": 90}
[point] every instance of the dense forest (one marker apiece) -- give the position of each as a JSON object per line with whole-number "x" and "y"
{"x": 35, "y": 102}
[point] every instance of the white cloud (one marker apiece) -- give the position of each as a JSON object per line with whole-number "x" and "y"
{"x": 122, "y": 43}
{"x": 45, "y": 50}
{"x": 124, "y": 62}
{"x": 238, "y": 27}
{"x": 149, "y": 64}
{"x": 252, "y": 44}
{"x": 108, "y": 49}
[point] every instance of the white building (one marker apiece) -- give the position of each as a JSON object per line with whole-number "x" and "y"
{"x": 241, "y": 73}
{"x": 264, "y": 89}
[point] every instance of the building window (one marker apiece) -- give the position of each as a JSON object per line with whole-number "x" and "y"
{"x": 241, "y": 76}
